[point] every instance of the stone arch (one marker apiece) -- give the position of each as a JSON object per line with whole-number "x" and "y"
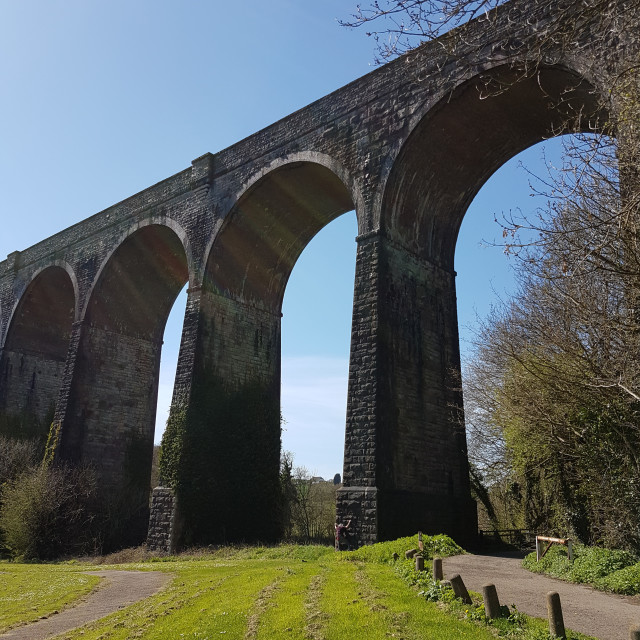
{"x": 36, "y": 344}
{"x": 453, "y": 148}
{"x": 161, "y": 221}
{"x": 271, "y": 220}
{"x": 110, "y": 418}
{"x": 231, "y": 441}
{"x": 455, "y": 145}
{"x": 23, "y": 286}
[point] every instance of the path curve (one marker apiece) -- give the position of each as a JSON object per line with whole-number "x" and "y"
{"x": 117, "y": 590}
{"x": 603, "y": 615}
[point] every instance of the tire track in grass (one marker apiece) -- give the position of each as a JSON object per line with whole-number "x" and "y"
{"x": 349, "y": 613}
{"x": 262, "y": 603}
{"x": 285, "y": 618}
{"x": 376, "y": 601}
{"x": 315, "y": 617}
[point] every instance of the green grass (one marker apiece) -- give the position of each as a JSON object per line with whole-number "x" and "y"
{"x": 410, "y": 615}
{"x": 273, "y": 593}
{"x": 29, "y": 592}
{"x": 434, "y": 546}
{"x": 291, "y": 609}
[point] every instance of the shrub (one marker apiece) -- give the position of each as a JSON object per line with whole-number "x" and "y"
{"x": 592, "y": 563}
{"x": 555, "y": 562}
{"x": 16, "y": 456}
{"x": 625, "y": 581}
{"x": 608, "y": 569}
{"x": 46, "y": 512}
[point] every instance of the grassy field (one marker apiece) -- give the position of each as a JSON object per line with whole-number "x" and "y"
{"x": 28, "y": 592}
{"x": 287, "y": 592}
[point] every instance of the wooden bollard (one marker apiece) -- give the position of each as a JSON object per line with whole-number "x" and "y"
{"x": 410, "y": 553}
{"x": 395, "y": 557}
{"x": 459, "y": 590}
{"x": 554, "y": 609}
{"x": 491, "y": 602}
{"x": 419, "y": 562}
{"x": 437, "y": 569}
{"x": 634, "y": 632}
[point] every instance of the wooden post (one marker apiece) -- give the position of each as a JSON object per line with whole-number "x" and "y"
{"x": 419, "y": 562}
{"x": 554, "y": 609}
{"x": 538, "y": 545}
{"x": 437, "y": 569}
{"x": 634, "y": 632}
{"x": 570, "y": 550}
{"x": 491, "y": 602}
{"x": 459, "y": 590}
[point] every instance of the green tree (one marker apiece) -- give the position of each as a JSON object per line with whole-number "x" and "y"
{"x": 309, "y": 504}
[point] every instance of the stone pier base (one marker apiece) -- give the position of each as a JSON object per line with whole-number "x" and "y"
{"x": 163, "y": 521}
{"x": 360, "y": 505}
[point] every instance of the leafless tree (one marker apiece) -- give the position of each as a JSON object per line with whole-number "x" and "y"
{"x": 398, "y": 26}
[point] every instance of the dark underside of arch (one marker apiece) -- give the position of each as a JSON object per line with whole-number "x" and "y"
{"x": 466, "y": 138}
{"x": 139, "y": 285}
{"x": 35, "y": 350}
{"x": 269, "y": 228}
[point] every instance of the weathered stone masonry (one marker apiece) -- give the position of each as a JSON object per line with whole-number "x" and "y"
{"x": 407, "y": 146}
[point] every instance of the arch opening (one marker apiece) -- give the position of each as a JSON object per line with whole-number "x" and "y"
{"x": 485, "y": 279}
{"x": 111, "y": 415}
{"x": 316, "y": 334}
{"x": 35, "y": 353}
{"x": 234, "y": 410}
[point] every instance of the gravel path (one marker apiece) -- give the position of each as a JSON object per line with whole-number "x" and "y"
{"x": 117, "y": 590}
{"x": 605, "y": 616}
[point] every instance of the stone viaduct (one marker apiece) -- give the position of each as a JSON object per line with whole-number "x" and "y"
{"x": 407, "y": 146}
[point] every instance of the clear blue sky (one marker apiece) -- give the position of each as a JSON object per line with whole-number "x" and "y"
{"x": 103, "y": 99}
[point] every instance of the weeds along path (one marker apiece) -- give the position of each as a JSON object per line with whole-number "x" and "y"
{"x": 603, "y": 615}
{"x": 118, "y": 589}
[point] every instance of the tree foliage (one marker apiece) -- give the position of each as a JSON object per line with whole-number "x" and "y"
{"x": 309, "y": 505}
{"x": 554, "y": 386}
{"x": 48, "y": 512}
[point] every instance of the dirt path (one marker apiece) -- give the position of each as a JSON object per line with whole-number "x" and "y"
{"x": 605, "y": 616}
{"x": 117, "y": 590}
